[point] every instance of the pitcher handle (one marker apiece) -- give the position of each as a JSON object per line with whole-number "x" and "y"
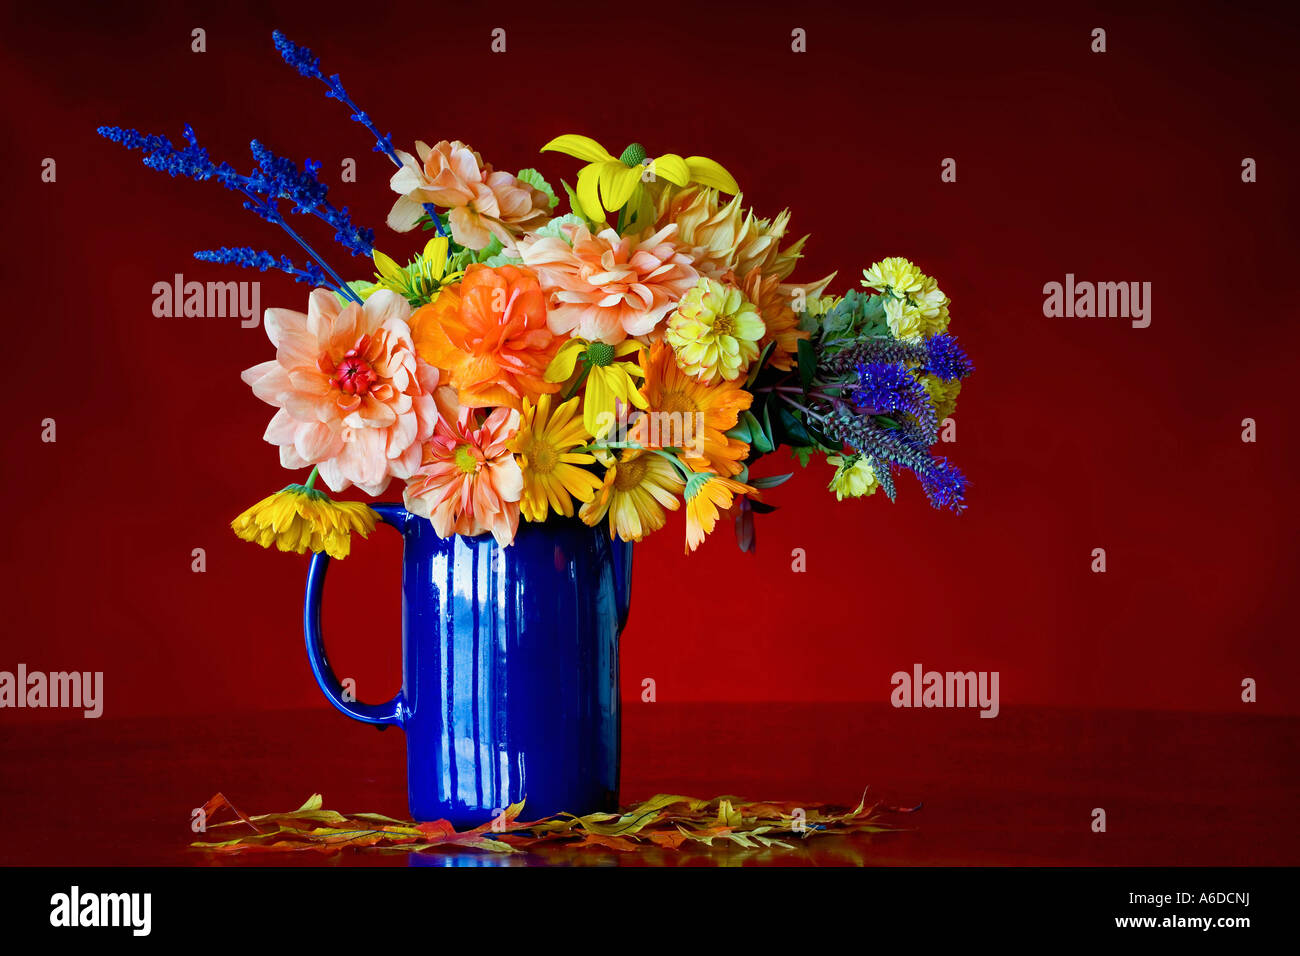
{"x": 381, "y": 714}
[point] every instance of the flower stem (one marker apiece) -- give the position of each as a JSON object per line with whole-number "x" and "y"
{"x": 311, "y": 479}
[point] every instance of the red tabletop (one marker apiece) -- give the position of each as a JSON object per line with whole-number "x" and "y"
{"x": 1178, "y": 788}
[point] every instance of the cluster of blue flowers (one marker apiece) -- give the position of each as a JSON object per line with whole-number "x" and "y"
{"x": 308, "y": 64}
{"x": 273, "y": 181}
{"x": 889, "y": 417}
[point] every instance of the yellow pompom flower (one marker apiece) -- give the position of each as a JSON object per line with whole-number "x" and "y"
{"x": 634, "y": 494}
{"x": 943, "y": 395}
{"x": 915, "y": 306}
{"x": 854, "y": 477}
{"x": 544, "y": 447}
{"x": 895, "y": 274}
{"x": 715, "y": 332}
{"x": 606, "y": 379}
{"x": 303, "y": 519}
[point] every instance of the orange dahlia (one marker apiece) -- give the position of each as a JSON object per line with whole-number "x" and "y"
{"x": 607, "y": 287}
{"x": 778, "y": 316}
{"x": 469, "y": 481}
{"x": 488, "y": 332}
{"x": 685, "y": 413}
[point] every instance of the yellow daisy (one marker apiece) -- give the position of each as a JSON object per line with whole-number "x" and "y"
{"x": 706, "y": 496}
{"x": 544, "y": 446}
{"x": 634, "y": 494}
{"x": 302, "y": 519}
{"x": 420, "y": 281}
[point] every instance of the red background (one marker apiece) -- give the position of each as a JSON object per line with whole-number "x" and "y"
{"x": 1076, "y": 433}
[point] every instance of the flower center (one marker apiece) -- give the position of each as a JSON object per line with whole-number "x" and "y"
{"x": 354, "y": 374}
{"x": 723, "y": 325}
{"x": 542, "y": 457}
{"x": 629, "y": 474}
{"x": 674, "y": 400}
{"x": 465, "y": 460}
{"x": 634, "y": 155}
{"x": 600, "y": 354}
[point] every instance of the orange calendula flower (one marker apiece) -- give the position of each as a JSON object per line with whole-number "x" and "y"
{"x": 685, "y": 413}
{"x": 706, "y": 496}
{"x": 634, "y": 494}
{"x": 488, "y": 332}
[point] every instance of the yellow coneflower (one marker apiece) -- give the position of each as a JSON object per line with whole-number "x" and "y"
{"x": 301, "y": 519}
{"x": 607, "y": 379}
{"x": 544, "y": 447}
{"x": 634, "y": 494}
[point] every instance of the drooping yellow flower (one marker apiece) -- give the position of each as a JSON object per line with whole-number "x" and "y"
{"x": 634, "y": 494}
{"x": 544, "y": 446}
{"x": 682, "y": 412}
{"x": 854, "y": 477}
{"x": 706, "y": 496}
{"x": 607, "y": 183}
{"x": 607, "y": 379}
{"x": 302, "y": 519}
{"x": 715, "y": 331}
{"x": 420, "y": 281}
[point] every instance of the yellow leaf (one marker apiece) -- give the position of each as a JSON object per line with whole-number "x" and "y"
{"x": 582, "y": 147}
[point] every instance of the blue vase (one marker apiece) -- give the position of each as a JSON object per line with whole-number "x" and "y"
{"x": 509, "y": 668}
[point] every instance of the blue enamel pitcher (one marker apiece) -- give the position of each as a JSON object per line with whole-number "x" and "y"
{"x": 509, "y": 668}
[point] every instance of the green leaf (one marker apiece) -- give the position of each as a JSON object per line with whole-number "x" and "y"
{"x": 807, "y": 363}
{"x": 771, "y": 481}
{"x": 535, "y": 179}
{"x": 759, "y": 439}
{"x": 795, "y": 433}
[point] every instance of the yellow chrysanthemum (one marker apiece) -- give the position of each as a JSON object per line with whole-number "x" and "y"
{"x": 915, "y": 307}
{"x": 607, "y": 379}
{"x": 544, "y": 447}
{"x": 303, "y": 519}
{"x": 715, "y": 332}
{"x": 943, "y": 395}
{"x": 706, "y": 496}
{"x": 854, "y": 477}
{"x": 609, "y": 183}
{"x": 895, "y": 274}
{"x": 420, "y": 281}
{"x": 634, "y": 494}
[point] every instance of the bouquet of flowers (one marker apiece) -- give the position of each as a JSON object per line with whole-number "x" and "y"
{"x": 642, "y": 349}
